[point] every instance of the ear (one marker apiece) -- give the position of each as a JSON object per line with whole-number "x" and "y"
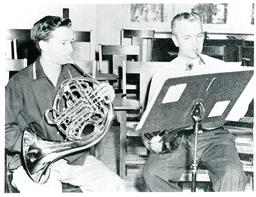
{"x": 42, "y": 45}
{"x": 174, "y": 39}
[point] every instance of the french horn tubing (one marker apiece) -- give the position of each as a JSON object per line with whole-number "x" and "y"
{"x": 79, "y": 114}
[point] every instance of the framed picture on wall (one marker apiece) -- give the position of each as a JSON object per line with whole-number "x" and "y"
{"x": 212, "y": 13}
{"x": 217, "y": 17}
{"x": 148, "y": 16}
{"x": 229, "y": 17}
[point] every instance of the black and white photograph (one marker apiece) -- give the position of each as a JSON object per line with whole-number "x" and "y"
{"x": 128, "y": 97}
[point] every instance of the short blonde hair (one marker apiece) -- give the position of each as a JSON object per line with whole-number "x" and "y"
{"x": 189, "y": 16}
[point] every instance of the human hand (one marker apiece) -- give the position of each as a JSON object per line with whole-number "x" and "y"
{"x": 156, "y": 144}
{"x": 105, "y": 91}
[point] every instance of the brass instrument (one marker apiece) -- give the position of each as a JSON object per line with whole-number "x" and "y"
{"x": 79, "y": 114}
{"x": 168, "y": 139}
{"x": 200, "y": 57}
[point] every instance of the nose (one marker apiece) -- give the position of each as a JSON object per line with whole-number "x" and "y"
{"x": 195, "y": 42}
{"x": 69, "y": 48}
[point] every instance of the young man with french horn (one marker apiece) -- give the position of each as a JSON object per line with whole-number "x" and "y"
{"x": 33, "y": 91}
{"x": 216, "y": 148}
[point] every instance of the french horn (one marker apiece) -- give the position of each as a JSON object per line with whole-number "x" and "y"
{"x": 79, "y": 114}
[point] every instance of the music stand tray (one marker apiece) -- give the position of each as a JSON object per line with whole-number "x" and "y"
{"x": 172, "y": 108}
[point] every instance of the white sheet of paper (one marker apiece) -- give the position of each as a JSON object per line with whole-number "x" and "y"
{"x": 174, "y": 93}
{"x": 219, "y": 108}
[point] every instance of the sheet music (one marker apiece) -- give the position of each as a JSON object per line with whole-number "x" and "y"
{"x": 218, "y": 109}
{"x": 174, "y": 93}
{"x": 241, "y": 106}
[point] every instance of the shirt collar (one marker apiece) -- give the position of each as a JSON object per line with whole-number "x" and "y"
{"x": 195, "y": 62}
{"x": 38, "y": 71}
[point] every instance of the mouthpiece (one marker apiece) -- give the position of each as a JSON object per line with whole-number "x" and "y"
{"x": 199, "y": 56}
{"x": 70, "y": 60}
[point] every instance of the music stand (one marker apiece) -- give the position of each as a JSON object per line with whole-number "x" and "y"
{"x": 187, "y": 101}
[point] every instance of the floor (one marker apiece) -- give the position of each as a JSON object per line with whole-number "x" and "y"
{"x": 134, "y": 181}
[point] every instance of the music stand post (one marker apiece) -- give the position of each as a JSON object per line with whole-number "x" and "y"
{"x": 197, "y": 115}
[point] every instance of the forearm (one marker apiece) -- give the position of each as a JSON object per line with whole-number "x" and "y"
{"x": 13, "y": 138}
{"x": 13, "y": 117}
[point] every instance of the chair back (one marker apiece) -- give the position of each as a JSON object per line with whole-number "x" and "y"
{"x": 19, "y": 45}
{"x": 88, "y": 67}
{"x": 215, "y": 51}
{"x": 146, "y": 71}
{"x": 143, "y": 38}
{"x": 15, "y": 64}
{"x": 246, "y": 55}
{"x": 12, "y": 66}
{"x": 118, "y": 53}
{"x": 83, "y": 47}
{"x": 19, "y": 50}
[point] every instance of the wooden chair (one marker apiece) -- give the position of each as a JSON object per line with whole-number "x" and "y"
{"x": 115, "y": 54}
{"x": 243, "y": 132}
{"x": 146, "y": 71}
{"x": 16, "y": 39}
{"x": 83, "y": 47}
{"x": 132, "y": 140}
{"x": 19, "y": 45}
{"x": 215, "y": 51}
{"x": 89, "y": 67}
{"x": 12, "y": 66}
{"x": 246, "y": 55}
{"x": 143, "y": 38}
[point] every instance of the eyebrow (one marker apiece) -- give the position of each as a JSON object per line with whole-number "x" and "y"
{"x": 201, "y": 33}
{"x": 65, "y": 40}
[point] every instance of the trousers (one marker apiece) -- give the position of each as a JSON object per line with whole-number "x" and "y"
{"x": 92, "y": 176}
{"x": 216, "y": 151}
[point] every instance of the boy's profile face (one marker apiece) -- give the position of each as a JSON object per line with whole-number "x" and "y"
{"x": 58, "y": 48}
{"x": 189, "y": 37}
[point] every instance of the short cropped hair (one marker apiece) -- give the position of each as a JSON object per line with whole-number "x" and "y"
{"x": 43, "y": 28}
{"x": 190, "y": 16}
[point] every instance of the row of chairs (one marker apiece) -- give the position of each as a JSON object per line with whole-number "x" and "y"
{"x": 138, "y": 43}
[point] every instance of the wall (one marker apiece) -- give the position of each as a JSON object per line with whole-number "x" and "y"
{"x": 109, "y": 23}
{"x": 238, "y": 18}
{"x": 24, "y": 16}
{"x": 106, "y": 19}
